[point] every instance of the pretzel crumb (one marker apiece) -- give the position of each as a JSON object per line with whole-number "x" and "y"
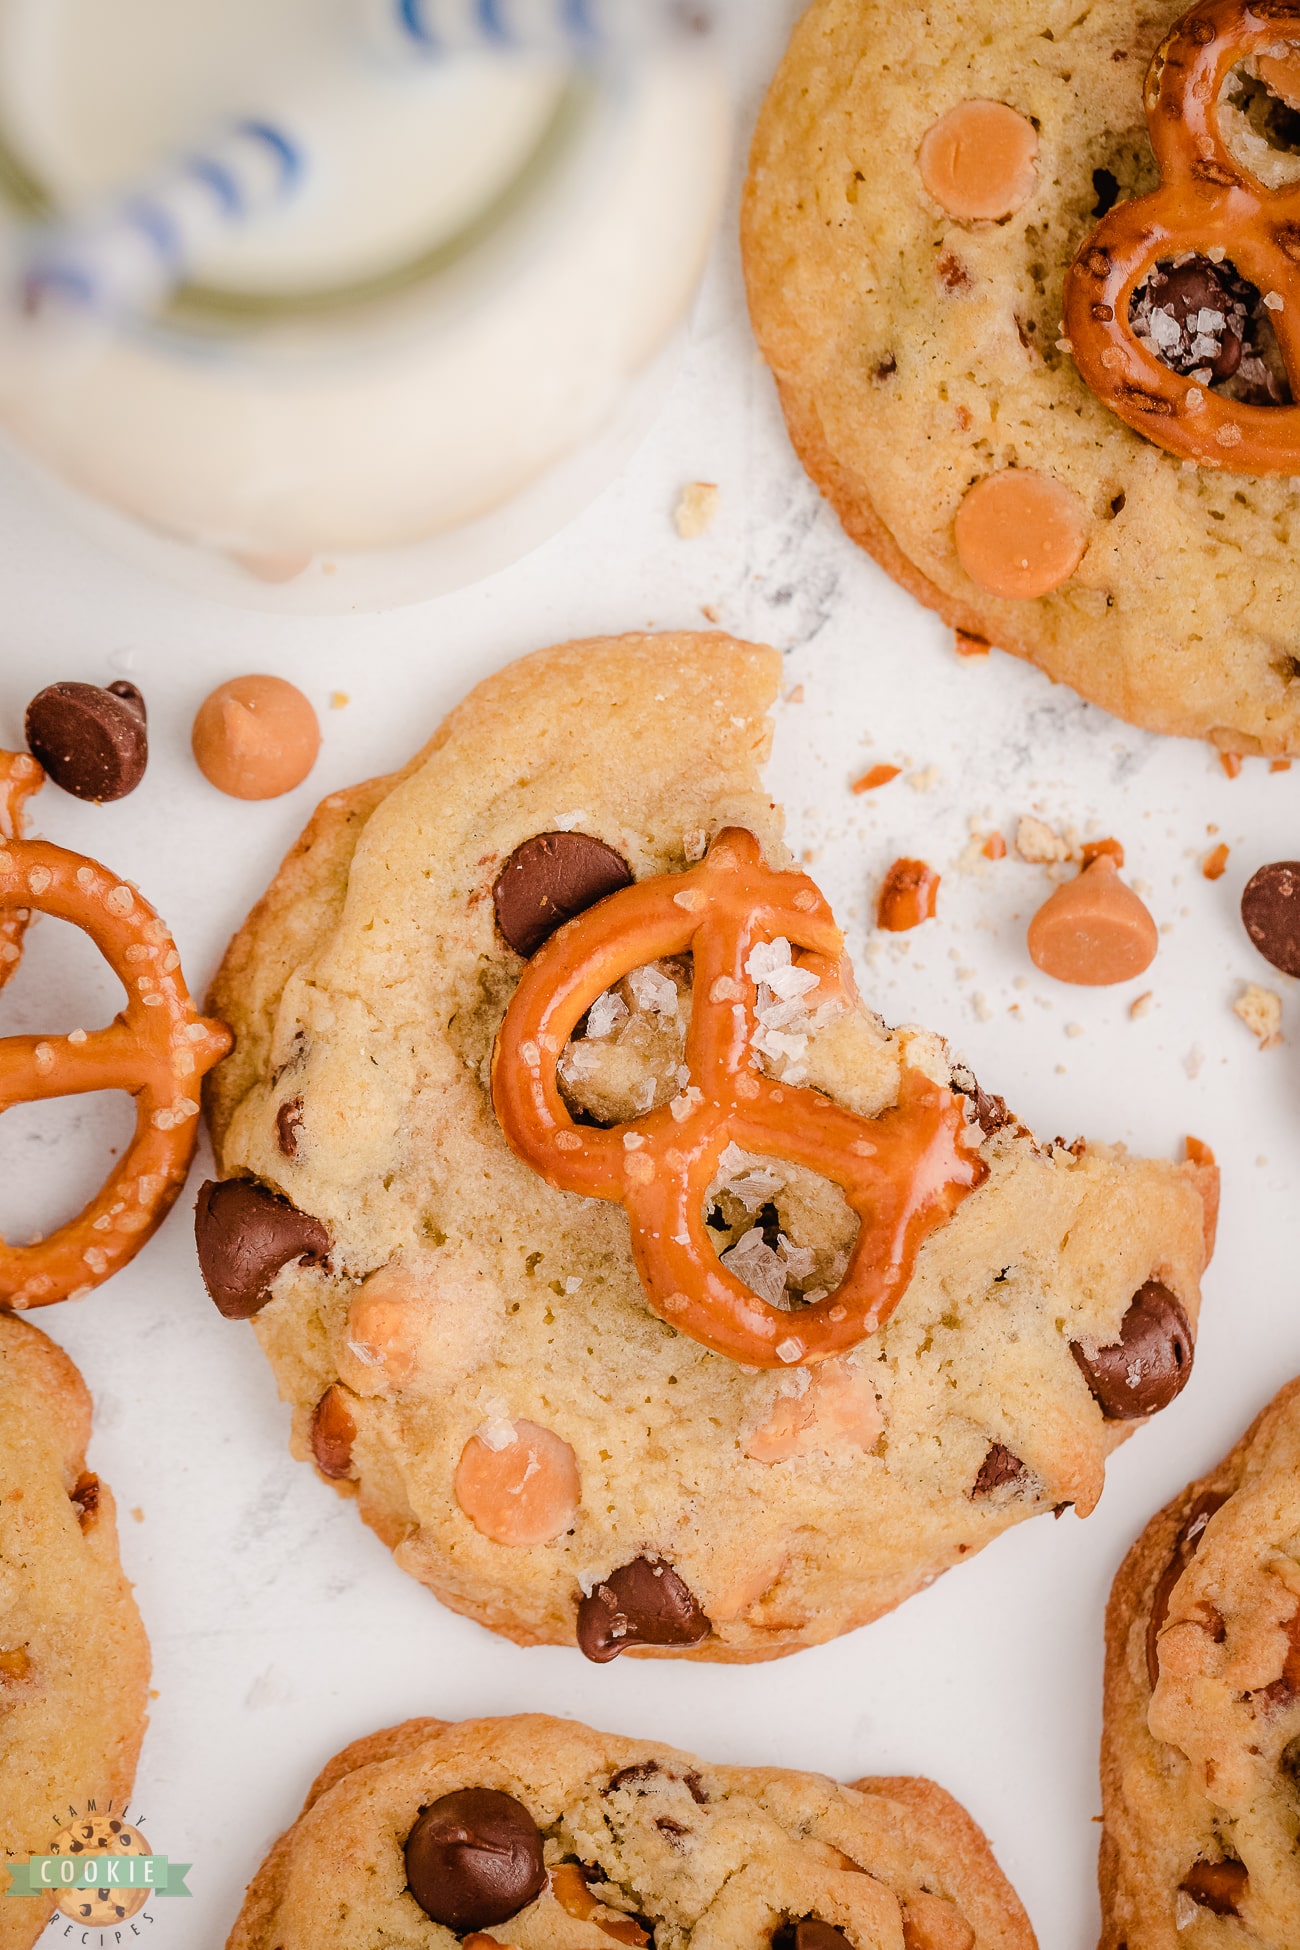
{"x": 1261, "y": 1011}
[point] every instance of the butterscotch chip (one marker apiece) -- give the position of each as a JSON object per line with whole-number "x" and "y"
{"x": 980, "y": 160}
{"x": 644, "y": 1845}
{"x": 1020, "y": 534}
{"x": 1093, "y": 931}
{"x": 255, "y": 737}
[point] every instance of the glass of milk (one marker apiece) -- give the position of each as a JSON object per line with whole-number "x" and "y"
{"x": 425, "y": 361}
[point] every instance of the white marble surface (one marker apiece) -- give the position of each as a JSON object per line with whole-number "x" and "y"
{"x": 280, "y": 1627}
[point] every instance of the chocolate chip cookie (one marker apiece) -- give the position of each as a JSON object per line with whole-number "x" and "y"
{"x": 1200, "y": 1761}
{"x": 643, "y": 1288}
{"x": 74, "y": 1660}
{"x": 541, "y": 1834}
{"x": 920, "y": 182}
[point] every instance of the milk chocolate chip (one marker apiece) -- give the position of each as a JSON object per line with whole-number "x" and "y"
{"x": 92, "y": 742}
{"x": 1148, "y": 1365}
{"x": 1217, "y": 1886}
{"x": 642, "y": 1603}
{"x": 1186, "y": 1545}
{"x": 548, "y": 880}
{"x": 474, "y": 1859}
{"x": 1270, "y": 908}
{"x": 999, "y": 1467}
{"x": 333, "y": 1432}
{"x": 245, "y": 1233}
{"x": 288, "y": 1127}
{"x": 810, "y": 1934}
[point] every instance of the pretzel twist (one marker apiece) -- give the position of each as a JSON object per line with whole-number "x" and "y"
{"x": 903, "y": 1172}
{"x": 20, "y": 777}
{"x": 1206, "y": 202}
{"x": 157, "y": 1049}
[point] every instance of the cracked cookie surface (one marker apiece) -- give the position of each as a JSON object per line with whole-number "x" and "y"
{"x": 1201, "y": 1743}
{"x": 919, "y": 354}
{"x": 641, "y": 1845}
{"x": 471, "y": 1355}
{"x": 74, "y": 1660}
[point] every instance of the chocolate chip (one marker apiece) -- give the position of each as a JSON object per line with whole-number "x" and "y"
{"x": 626, "y": 1777}
{"x": 474, "y": 1859}
{"x": 1270, "y": 908}
{"x": 642, "y": 1603}
{"x": 85, "y": 1498}
{"x": 1186, "y": 1545}
{"x": 333, "y": 1432}
{"x": 288, "y": 1127}
{"x": 1217, "y": 1886}
{"x": 548, "y": 880}
{"x": 1148, "y": 1365}
{"x": 92, "y": 742}
{"x": 1288, "y": 1759}
{"x": 998, "y": 1468}
{"x": 245, "y": 1233}
{"x": 809, "y": 1934}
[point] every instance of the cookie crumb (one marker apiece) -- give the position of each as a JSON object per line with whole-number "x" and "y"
{"x": 1140, "y": 1005}
{"x": 338, "y": 700}
{"x": 696, "y": 510}
{"x": 710, "y": 613}
{"x": 1040, "y": 845}
{"x": 994, "y": 847}
{"x": 795, "y": 694}
{"x": 1261, "y": 1011}
{"x": 1193, "y": 1061}
{"x": 1215, "y": 862}
{"x": 1280, "y": 765}
{"x": 1230, "y": 761}
{"x": 979, "y": 1003}
{"x": 967, "y": 645}
{"x": 138, "y": 1514}
{"x": 925, "y": 780}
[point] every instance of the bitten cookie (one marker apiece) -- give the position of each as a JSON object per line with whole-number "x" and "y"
{"x": 1200, "y": 1758}
{"x": 636, "y": 1370}
{"x": 538, "y": 1833}
{"x": 74, "y": 1660}
{"x": 920, "y": 181}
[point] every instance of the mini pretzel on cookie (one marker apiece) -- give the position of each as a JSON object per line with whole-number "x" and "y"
{"x": 1208, "y": 207}
{"x": 903, "y": 1172}
{"x": 157, "y": 1049}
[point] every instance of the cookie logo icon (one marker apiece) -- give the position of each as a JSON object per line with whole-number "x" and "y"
{"x": 108, "y": 1903}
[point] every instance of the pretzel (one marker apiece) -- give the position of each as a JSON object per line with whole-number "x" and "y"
{"x": 903, "y": 1172}
{"x": 1206, "y": 202}
{"x": 20, "y": 777}
{"x": 157, "y": 1049}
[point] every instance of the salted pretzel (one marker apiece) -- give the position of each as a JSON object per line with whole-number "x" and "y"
{"x": 903, "y": 1172}
{"x": 157, "y": 1049}
{"x": 1206, "y": 203}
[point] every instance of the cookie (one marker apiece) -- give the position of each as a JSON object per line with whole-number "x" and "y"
{"x": 1200, "y": 1758}
{"x": 541, "y": 1834}
{"x": 74, "y": 1660}
{"x": 549, "y": 1431}
{"x": 908, "y": 225}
